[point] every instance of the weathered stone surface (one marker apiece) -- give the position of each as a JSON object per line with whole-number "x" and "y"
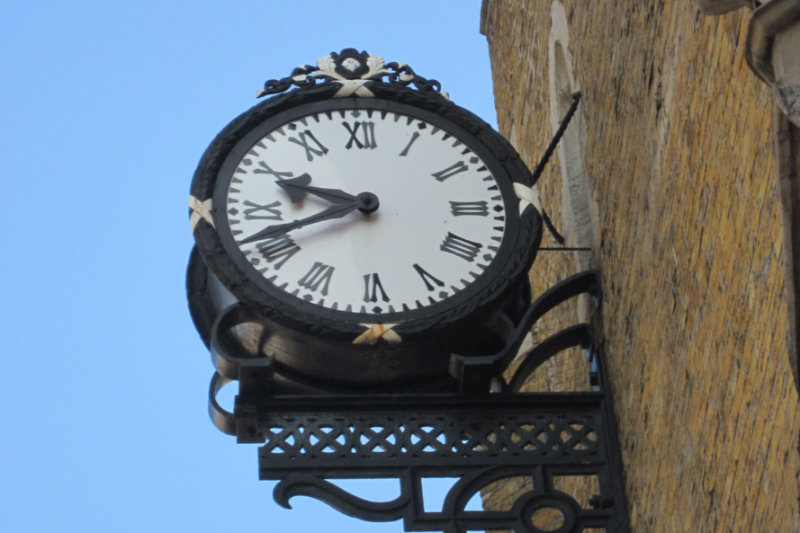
{"x": 679, "y": 155}
{"x": 773, "y": 52}
{"x": 786, "y": 65}
{"x": 717, "y": 7}
{"x": 788, "y": 96}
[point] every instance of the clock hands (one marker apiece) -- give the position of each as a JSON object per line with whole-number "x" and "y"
{"x": 335, "y": 211}
{"x": 298, "y": 187}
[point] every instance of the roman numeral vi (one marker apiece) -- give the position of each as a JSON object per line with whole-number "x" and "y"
{"x": 372, "y": 284}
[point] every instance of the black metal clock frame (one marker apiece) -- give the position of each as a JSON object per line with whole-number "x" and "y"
{"x": 473, "y": 423}
{"x": 389, "y": 91}
{"x": 216, "y": 243}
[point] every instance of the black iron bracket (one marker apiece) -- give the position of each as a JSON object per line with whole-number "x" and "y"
{"x": 549, "y": 442}
{"x": 475, "y": 373}
{"x": 549, "y": 439}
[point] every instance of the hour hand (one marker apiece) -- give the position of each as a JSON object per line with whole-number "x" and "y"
{"x": 298, "y": 187}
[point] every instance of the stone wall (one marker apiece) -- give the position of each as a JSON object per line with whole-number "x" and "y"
{"x": 674, "y": 135}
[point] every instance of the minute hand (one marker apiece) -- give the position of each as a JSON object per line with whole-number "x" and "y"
{"x": 335, "y": 211}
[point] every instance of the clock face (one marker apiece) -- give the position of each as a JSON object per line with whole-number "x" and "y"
{"x": 359, "y": 211}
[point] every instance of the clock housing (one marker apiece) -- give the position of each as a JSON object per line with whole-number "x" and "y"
{"x": 389, "y": 143}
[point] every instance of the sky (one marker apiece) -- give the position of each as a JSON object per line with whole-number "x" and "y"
{"x": 106, "y": 109}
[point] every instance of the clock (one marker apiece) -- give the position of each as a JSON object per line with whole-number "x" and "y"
{"x": 369, "y": 226}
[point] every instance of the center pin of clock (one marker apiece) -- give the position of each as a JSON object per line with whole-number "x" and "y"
{"x": 369, "y": 202}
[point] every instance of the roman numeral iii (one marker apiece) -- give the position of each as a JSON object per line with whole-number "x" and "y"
{"x": 463, "y": 248}
{"x": 480, "y": 209}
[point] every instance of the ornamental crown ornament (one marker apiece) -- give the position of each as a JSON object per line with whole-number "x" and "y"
{"x": 352, "y": 70}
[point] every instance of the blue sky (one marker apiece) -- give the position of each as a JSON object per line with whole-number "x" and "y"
{"x": 106, "y": 108}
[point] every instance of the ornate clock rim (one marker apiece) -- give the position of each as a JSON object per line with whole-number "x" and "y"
{"x": 299, "y": 316}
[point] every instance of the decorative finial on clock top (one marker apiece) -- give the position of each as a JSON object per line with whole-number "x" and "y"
{"x": 353, "y": 71}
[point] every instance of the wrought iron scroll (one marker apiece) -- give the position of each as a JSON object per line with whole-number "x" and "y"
{"x": 549, "y": 439}
{"x": 475, "y": 373}
{"x": 310, "y": 443}
{"x": 351, "y": 68}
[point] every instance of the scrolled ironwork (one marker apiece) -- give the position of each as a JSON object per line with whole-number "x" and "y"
{"x": 475, "y": 372}
{"x": 455, "y": 515}
{"x": 351, "y": 68}
{"x": 309, "y": 441}
{"x": 341, "y": 500}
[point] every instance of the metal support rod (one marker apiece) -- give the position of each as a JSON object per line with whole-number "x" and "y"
{"x": 576, "y": 97}
{"x": 564, "y": 249}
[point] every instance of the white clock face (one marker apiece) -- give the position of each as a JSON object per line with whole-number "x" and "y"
{"x": 293, "y": 209}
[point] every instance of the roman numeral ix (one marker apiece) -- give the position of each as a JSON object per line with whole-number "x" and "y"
{"x": 262, "y": 212}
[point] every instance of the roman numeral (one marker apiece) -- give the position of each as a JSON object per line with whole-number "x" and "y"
{"x": 372, "y": 284}
{"x": 306, "y": 137}
{"x": 427, "y": 278}
{"x": 262, "y": 212}
{"x": 480, "y": 209}
{"x": 414, "y": 137}
{"x": 367, "y": 139}
{"x": 460, "y": 246}
{"x": 450, "y": 171}
{"x": 278, "y": 249}
{"x": 265, "y": 169}
{"x": 319, "y": 275}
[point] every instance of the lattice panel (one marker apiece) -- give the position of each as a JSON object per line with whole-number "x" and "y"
{"x": 430, "y": 439}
